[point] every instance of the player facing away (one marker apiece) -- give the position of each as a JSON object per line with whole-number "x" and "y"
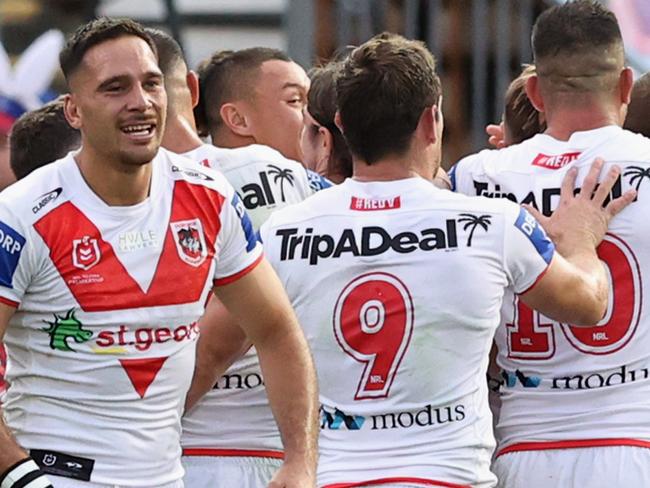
{"x": 575, "y": 406}
{"x": 231, "y": 437}
{"x": 398, "y": 284}
{"x": 108, "y": 257}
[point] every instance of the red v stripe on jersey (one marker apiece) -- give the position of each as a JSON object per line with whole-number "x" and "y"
{"x": 142, "y": 372}
{"x": 174, "y": 281}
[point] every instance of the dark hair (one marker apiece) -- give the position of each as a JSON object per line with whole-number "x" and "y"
{"x": 227, "y": 76}
{"x": 40, "y": 137}
{"x": 382, "y": 89}
{"x": 638, "y": 118}
{"x": 170, "y": 53}
{"x": 521, "y": 118}
{"x": 321, "y": 104}
{"x": 586, "y": 33}
{"x": 95, "y": 32}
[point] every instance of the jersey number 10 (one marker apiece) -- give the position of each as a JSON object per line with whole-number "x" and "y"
{"x": 531, "y": 338}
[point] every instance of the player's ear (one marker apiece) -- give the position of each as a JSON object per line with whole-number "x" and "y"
{"x": 428, "y": 124}
{"x": 626, "y": 82}
{"x": 71, "y": 111}
{"x": 192, "y": 81}
{"x": 533, "y": 92}
{"x": 338, "y": 122}
{"x": 235, "y": 119}
{"x": 326, "y": 139}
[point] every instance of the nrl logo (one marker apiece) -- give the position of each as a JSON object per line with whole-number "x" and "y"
{"x": 190, "y": 241}
{"x": 85, "y": 253}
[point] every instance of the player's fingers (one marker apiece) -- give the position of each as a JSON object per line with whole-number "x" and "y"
{"x": 568, "y": 184}
{"x": 493, "y": 129}
{"x": 591, "y": 180}
{"x": 618, "y": 204}
{"x": 535, "y": 213}
{"x": 606, "y": 185}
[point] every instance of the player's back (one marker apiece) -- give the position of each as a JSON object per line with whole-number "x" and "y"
{"x": 563, "y": 385}
{"x": 398, "y": 286}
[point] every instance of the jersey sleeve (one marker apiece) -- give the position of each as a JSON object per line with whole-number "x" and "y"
{"x": 460, "y": 175}
{"x": 316, "y": 181}
{"x": 527, "y": 249}
{"x": 238, "y": 250}
{"x": 17, "y": 257}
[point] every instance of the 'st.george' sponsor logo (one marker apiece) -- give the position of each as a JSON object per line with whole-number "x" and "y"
{"x": 371, "y": 241}
{"x": 142, "y": 338}
{"x": 46, "y": 198}
{"x": 555, "y": 162}
{"x": 369, "y": 204}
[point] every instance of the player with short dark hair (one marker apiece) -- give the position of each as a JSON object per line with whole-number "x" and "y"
{"x": 107, "y": 259}
{"x": 401, "y": 355}
{"x": 41, "y": 136}
{"x": 253, "y": 96}
{"x": 558, "y": 420}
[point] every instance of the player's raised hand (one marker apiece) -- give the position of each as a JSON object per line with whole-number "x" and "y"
{"x": 582, "y": 220}
{"x": 496, "y": 133}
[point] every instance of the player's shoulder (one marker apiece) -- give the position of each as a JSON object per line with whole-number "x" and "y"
{"x": 179, "y": 167}
{"x": 41, "y": 191}
{"x": 322, "y": 203}
{"x": 617, "y": 145}
{"x": 462, "y": 202}
{"x": 511, "y": 158}
{"x": 208, "y": 155}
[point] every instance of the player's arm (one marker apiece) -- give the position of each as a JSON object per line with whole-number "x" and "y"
{"x": 261, "y": 307}
{"x": 220, "y": 344}
{"x": 16, "y": 467}
{"x": 575, "y": 288}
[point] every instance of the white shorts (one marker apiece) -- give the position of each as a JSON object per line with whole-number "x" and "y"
{"x": 59, "y": 482}
{"x": 228, "y": 472}
{"x": 589, "y": 467}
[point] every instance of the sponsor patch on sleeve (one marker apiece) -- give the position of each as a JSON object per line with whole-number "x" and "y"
{"x": 531, "y": 228}
{"x": 11, "y": 245}
{"x": 452, "y": 177}
{"x": 316, "y": 181}
{"x": 245, "y": 221}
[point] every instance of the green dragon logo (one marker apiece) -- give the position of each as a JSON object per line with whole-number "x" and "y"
{"x": 64, "y": 328}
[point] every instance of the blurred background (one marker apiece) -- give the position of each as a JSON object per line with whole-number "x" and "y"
{"x": 480, "y": 44}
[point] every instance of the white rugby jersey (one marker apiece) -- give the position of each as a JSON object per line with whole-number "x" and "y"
{"x": 570, "y": 386}
{"x": 264, "y": 178}
{"x": 266, "y": 181}
{"x": 398, "y": 286}
{"x": 101, "y": 347}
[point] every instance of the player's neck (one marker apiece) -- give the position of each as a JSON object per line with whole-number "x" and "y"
{"x": 561, "y": 124}
{"x": 386, "y": 169}
{"x": 227, "y": 139}
{"x": 180, "y": 135}
{"x": 117, "y": 184}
